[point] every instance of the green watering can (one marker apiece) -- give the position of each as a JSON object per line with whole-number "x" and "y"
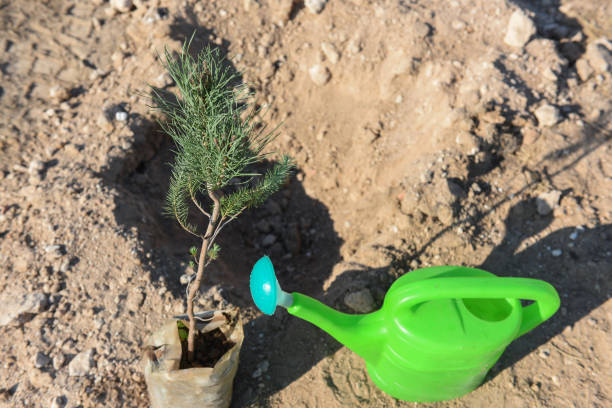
{"x": 438, "y": 332}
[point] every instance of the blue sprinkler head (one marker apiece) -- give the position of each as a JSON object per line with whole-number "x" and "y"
{"x": 265, "y": 290}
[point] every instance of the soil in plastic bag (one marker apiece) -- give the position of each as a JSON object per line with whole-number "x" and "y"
{"x": 169, "y": 385}
{"x": 209, "y": 348}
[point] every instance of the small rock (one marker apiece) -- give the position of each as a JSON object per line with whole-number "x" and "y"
{"x": 268, "y": 240}
{"x": 530, "y": 135}
{"x": 81, "y": 364}
{"x": 547, "y": 115}
{"x": 544, "y": 353}
{"x": 41, "y": 360}
{"x": 319, "y": 74}
{"x": 281, "y": 10}
{"x": 520, "y": 29}
{"x": 59, "y": 93}
{"x": 535, "y": 387}
{"x": 261, "y": 368}
{"x": 584, "y": 69}
{"x": 361, "y": 301}
{"x": 57, "y": 251}
{"x": 35, "y": 168}
{"x": 546, "y": 202}
{"x": 468, "y": 141}
{"x": 185, "y": 278}
{"x": 444, "y": 214}
{"x": 59, "y": 402}
{"x": 330, "y": 52}
{"x": 121, "y": 116}
{"x": 59, "y": 360}
{"x": 17, "y": 307}
{"x": 355, "y": 47}
{"x": 135, "y": 299}
{"x": 155, "y": 14}
{"x": 122, "y": 6}
{"x": 117, "y": 57}
{"x": 409, "y": 201}
{"x": 555, "y": 380}
{"x": 556, "y": 253}
{"x": 315, "y": 6}
{"x": 458, "y": 25}
{"x": 599, "y": 55}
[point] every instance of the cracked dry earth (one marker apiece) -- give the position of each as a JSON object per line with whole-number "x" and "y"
{"x": 464, "y": 132}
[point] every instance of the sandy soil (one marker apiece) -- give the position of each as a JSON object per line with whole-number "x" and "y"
{"x": 424, "y": 132}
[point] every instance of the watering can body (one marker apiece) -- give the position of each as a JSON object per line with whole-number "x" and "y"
{"x": 439, "y": 330}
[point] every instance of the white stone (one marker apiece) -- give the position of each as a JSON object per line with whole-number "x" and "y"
{"x": 547, "y": 115}
{"x": 15, "y": 306}
{"x": 599, "y": 55}
{"x": 319, "y": 74}
{"x": 59, "y": 360}
{"x": 330, "y": 52}
{"x": 361, "y": 301}
{"x": 556, "y": 252}
{"x": 81, "y": 364}
{"x": 121, "y": 116}
{"x": 122, "y": 6}
{"x": 546, "y": 202}
{"x": 520, "y": 29}
{"x": 35, "y": 167}
{"x": 59, "y": 93}
{"x": 315, "y": 6}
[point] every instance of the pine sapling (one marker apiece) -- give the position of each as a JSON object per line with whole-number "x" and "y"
{"x": 218, "y": 140}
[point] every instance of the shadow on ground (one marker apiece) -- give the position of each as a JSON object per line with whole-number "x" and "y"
{"x": 580, "y": 274}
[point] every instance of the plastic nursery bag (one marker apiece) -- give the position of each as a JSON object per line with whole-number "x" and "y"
{"x": 201, "y": 387}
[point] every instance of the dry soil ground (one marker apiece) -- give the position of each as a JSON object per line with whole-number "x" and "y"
{"x": 470, "y": 132}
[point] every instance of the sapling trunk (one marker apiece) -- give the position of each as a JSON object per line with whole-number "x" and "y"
{"x": 195, "y": 287}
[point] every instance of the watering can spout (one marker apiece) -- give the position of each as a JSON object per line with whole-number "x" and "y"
{"x": 362, "y": 333}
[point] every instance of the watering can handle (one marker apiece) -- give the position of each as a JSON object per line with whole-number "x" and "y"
{"x": 545, "y": 298}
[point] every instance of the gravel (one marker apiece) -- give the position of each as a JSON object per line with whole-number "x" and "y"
{"x": 81, "y": 364}
{"x": 15, "y": 306}
{"x": 361, "y": 301}
{"x": 547, "y": 115}
{"x": 315, "y": 6}
{"x": 319, "y": 74}
{"x": 520, "y": 29}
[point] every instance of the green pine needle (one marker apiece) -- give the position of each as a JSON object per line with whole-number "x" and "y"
{"x": 213, "y": 253}
{"x": 247, "y": 197}
{"x": 217, "y": 138}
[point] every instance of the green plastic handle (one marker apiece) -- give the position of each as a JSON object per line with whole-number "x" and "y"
{"x": 545, "y": 298}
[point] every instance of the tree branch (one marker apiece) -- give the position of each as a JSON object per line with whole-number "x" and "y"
{"x": 197, "y": 204}
{"x": 184, "y": 226}
{"x": 223, "y": 224}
